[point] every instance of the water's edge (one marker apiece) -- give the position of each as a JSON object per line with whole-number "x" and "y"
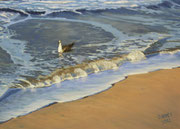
{"x": 112, "y": 85}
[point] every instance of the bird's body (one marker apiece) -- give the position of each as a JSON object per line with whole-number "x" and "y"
{"x": 65, "y": 48}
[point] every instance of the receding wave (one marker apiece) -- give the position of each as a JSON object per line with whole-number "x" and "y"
{"x": 84, "y": 69}
{"x": 80, "y": 70}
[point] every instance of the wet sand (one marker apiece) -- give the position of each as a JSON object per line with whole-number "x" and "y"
{"x": 145, "y": 101}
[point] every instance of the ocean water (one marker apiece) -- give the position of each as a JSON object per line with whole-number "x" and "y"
{"x": 113, "y": 39}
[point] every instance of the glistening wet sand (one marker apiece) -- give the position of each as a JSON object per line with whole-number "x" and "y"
{"x": 145, "y": 101}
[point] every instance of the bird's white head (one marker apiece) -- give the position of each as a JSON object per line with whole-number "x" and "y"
{"x": 59, "y": 41}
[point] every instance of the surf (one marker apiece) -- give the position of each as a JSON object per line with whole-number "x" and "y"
{"x": 114, "y": 41}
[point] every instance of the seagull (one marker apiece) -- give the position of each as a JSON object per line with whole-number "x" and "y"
{"x": 65, "y": 48}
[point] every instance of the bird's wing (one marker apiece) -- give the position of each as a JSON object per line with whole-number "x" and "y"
{"x": 68, "y": 46}
{"x": 71, "y": 45}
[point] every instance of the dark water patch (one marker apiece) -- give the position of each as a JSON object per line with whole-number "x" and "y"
{"x": 176, "y": 1}
{"x": 153, "y": 7}
{"x": 6, "y": 63}
{"x": 155, "y": 47}
{"x": 33, "y": 12}
{"x": 5, "y": 58}
{"x": 165, "y": 4}
{"x": 121, "y": 10}
{"x": 50, "y": 31}
{"x": 9, "y": 92}
{"x": 124, "y": 11}
{"x": 64, "y": 14}
{"x": 128, "y": 24}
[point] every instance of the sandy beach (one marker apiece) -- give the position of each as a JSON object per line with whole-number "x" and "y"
{"x": 145, "y": 101}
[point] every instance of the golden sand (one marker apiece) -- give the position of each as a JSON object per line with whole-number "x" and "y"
{"x": 145, "y": 101}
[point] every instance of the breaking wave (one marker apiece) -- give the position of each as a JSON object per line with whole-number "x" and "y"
{"x": 84, "y": 69}
{"x": 80, "y": 70}
{"x": 65, "y": 8}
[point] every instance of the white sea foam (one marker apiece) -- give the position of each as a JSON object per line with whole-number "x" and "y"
{"x": 80, "y": 73}
{"x": 135, "y": 56}
{"x": 170, "y": 52}
{"x": 55, "y": 2}
{"x": 81, "y": 70}
{"x": 74, "y": 4}
{"x": 117, "y": 2}
{"x": 7, "y": 17}
{"x": 94, "y": 67}
{"x": 56, "y": 79}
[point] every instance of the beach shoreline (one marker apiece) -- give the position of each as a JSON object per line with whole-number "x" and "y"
{"x": 142, "y": 101}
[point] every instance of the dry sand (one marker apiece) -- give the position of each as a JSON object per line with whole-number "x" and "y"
{"x": 145, "y": 101}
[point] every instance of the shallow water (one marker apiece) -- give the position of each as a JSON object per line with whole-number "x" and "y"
{"x": 113, "y": 39}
